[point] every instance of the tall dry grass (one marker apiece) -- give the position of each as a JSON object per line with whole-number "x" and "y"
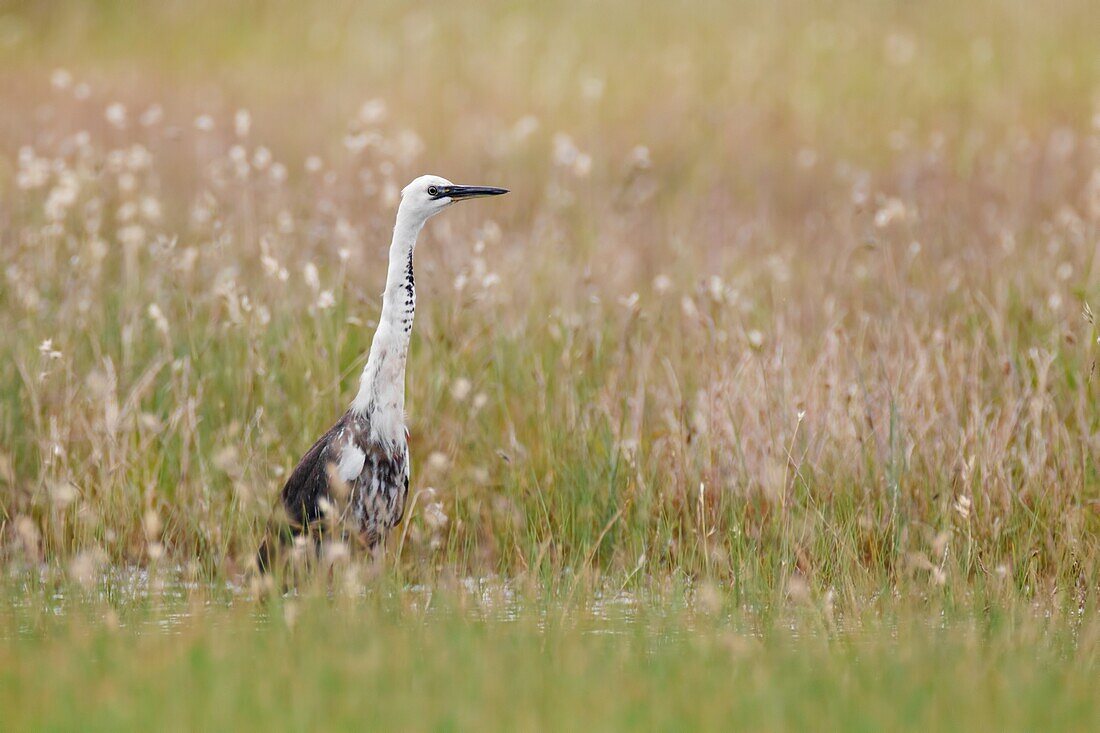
{"x": 789, "y": 294}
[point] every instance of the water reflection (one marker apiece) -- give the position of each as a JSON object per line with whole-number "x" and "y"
{"x": 164, "y": 599}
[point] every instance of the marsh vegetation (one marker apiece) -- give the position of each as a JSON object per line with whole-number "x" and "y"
{"x": 785, "y": 335}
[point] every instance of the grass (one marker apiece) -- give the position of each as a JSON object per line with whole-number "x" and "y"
{"x": 791, "y": 301}
{"x": 465, "y": 657}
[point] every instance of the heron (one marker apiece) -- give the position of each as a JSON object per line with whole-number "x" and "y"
{"x": 359, "y": 468}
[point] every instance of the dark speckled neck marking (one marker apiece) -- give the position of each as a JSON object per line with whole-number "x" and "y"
{"x": 410, "y": 294}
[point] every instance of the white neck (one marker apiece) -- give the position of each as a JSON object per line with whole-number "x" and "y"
{"x": 382, "y": 386}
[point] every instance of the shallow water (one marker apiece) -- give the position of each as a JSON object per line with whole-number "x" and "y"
{"x": 163, "y": 600}
{"x": 169, "y": 596}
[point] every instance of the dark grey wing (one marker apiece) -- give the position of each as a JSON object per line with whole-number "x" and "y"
{"x": 403, "y": 496}
{"x": 376, "y": 481}
{"x": 309, "y": 482}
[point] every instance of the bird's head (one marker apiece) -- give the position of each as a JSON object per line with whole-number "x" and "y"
{"x": 426, "y": 196}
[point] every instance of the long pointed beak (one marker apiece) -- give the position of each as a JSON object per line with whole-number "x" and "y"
{"x": 470, "y": 192}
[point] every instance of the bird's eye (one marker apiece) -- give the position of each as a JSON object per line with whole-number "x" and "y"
{"x": 433, "y": 191}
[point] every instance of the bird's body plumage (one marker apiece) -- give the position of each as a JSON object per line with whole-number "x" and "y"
{"x": 350, "y": 479}
{"x": 356, "y": 476}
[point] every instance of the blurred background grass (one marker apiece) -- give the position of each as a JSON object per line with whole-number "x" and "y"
{"x": 784, "y": 338}
{"x": 726, "y": 216}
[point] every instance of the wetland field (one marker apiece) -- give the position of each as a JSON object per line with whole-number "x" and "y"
{"x": 768, "y": 399}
